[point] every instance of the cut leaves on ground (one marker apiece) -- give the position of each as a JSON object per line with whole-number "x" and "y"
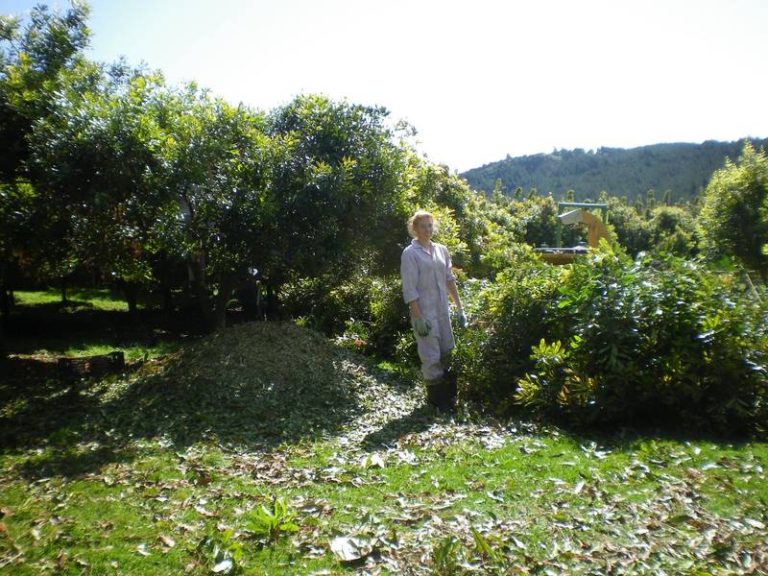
{"x": 266, "y": 449}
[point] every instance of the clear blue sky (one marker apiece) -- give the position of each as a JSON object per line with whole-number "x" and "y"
{"x": 478, "y": 79}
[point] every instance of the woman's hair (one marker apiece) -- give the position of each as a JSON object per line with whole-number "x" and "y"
{"x": 414, "y": 220}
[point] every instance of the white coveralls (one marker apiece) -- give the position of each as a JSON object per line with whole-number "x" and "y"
{"x": 424, "y": 277}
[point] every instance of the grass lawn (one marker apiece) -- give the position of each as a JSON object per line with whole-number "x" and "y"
{"x": 264, "y": 449}
{"x": 94, "y": 321}
{"x": 77, "y": 300}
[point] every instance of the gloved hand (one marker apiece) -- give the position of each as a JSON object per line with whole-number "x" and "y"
{"x": 421, "y": 326}
{"x": 462, "y": 319}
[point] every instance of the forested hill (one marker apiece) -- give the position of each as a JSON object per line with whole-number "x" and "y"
{"x": 683, "y": 169}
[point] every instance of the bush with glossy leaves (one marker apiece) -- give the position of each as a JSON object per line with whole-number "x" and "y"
{"x": 609, "y": 341}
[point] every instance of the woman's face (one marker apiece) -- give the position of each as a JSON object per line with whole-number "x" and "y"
{"x": 424, "y": 228}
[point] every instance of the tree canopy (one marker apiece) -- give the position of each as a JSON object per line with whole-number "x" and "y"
{"x": 109, "y": 173}
{"x": 734, "y": 216}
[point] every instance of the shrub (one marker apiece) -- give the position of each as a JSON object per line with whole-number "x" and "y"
{"x": 665, "y": 340}
{"x": 608, "y": 340}
{"x": 509, "y": 319}
{"x": 734, "y": 215}
{"x": 366, "y": 313}
{"x": 323, "y": 304}
{"x": 673, "y": 229}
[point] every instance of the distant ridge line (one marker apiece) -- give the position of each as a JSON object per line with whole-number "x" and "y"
{"x": 683, "y": 169}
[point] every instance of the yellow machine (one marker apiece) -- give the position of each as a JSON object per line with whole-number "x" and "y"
{"x": 595, "y": 227}
{"x": 595, "y": 231}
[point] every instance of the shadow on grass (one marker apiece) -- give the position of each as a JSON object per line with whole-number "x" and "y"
{"x": 73, "y": 461}
{"x": 54, "y": 418}
{"x": 630, "y": 439}
{"x": 419, "y": 420}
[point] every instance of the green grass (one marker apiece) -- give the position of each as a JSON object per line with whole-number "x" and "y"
{"x": 94, "y": 322}
{"x": 542, "y": 499}
{"x": 132, "y": 351}
{"x": 264, "y": 448}
{"x": 78, "y": 300}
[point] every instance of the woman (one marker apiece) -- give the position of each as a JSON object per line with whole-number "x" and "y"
{"x": 425, "y": 269}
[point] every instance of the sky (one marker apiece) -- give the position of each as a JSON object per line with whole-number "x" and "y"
{"x": 477, "y": 79}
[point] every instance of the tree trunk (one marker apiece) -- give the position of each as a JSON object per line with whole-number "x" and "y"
{"x": 5, "y": 305}
{"x": 131, "y": 291}
{"x": 164, "y": 273}
{"x": 5, "y": 302}
{"x": 196, "y": 270}
{"x": 226, "y": 283}
{"x": 271, "y": 305}
{"x": 6, "y": 299}
{"x": 64, "y": 290}
{"x": 167, "y": 301}
{"x": 249, "y": 296}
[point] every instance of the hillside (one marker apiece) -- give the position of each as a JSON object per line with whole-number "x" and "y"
{"x": 683, "y": 169}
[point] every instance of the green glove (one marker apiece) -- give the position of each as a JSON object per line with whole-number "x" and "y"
{"x": 421, "y": 326}
{"x": 462, "y": 319}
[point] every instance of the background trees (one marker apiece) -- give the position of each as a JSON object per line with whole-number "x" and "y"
{"x": 96, "y": 165}
{"x": 215, "y": 183}
{"x": 155, "y": 188}
{"x": 168, "y": 191}
{"x": 35, "y": 59}
{"x": 678, "y": 172}
{"x": 734, "y": 215}
{"x": 337, "y": 188}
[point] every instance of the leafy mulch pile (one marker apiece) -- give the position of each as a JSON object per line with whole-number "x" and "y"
{"x": 267, "y": 439}
{"x": 253, "y": 385}
{"x": 250, "y": 385}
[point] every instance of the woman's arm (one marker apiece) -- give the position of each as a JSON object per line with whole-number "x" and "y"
{"x": 409, "y": 273}
{"x": 454, "y": 293}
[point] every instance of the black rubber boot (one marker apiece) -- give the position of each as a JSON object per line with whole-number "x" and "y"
{"x": 434, "y": 392}
{"x": 441, "y": 394}
{"x": 449, "y": 392}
